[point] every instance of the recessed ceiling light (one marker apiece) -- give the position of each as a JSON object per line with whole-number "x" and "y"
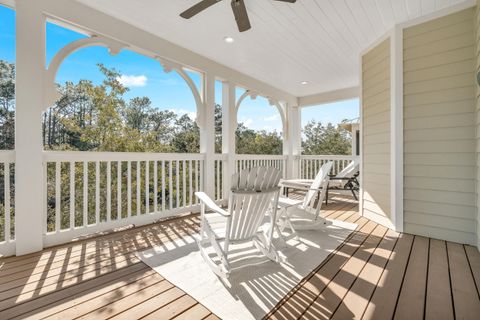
{"x": 228, "y": 39}
{"x": 304, "y": 82}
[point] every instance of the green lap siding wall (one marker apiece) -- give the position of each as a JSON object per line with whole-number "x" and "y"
{"x": 440, "y": 128}
{"x": 376, "y": 132}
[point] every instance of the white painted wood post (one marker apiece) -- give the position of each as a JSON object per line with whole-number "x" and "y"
{"x": 229, "y": 126}
{"x": 294, "y": 147}
{"x": 207, "y": 134}
{"x": 30, "y": 67}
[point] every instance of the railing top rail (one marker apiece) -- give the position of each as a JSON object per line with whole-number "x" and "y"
{"x": 7, "y": 155}
{"x": 51, "y": 156}
{"x": 259, "y": 157}
{"x": 220, "y": 156}
{"x": 328, "y": 157}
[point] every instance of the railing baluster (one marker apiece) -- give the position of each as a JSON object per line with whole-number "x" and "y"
{"x": 184, "y": 182}
{"x": 109, "y": 191}
{"x": 190, "y": 168}
{"x": 58, "y": 194}
{"x": 139, "y": 201}
{"x": 85, "y": 193}
{"x": 163, "y": 185}
{"x": 177, "y": 183}
{"x": 119, "y": 190}
{"x": 6, "y": 194}
{"x": 45, "y": 195}
{"x": 72, "y": 195}
{"x": 201, "y": 174}
{"x": 129, "y": 189}
{"x": 97, "y": 192}
{"x": 155, "y": 186}
{"x": 218, "y": 179}
{"x": 147, "y": 186}
{"x": 170, "y": 185}
{"x": 197, "y": 178}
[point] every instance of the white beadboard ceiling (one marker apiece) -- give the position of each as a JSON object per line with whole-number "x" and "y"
{"x": 318, "y": 41}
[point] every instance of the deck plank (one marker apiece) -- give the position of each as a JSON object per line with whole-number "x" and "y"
{"x": 173, "y": 309}
{"x": 68, "y": 297}
{"x": 331, "y": 297}
{"x": 439, "y": 294}
{"x": 197, "y": 311}
{"x": 139, "y": 307}
{"x": 411, "y": 302}
{"x": 117, "y": 302}
{"x": 383, "y": 301}
{"x": 308, "y": 291}
{"x": 27, "y": 287}
{"x": 355, "y": 302}
{"x": 473, "y": 256}
{"x": 465, "y": 296}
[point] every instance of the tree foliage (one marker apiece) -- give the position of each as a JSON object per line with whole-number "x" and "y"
{"x": 326, "y": 139}
{"x": 98, "y": 117}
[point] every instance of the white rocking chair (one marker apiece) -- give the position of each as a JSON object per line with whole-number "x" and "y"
{"x": 254, "y": 193}
{"x": 305, "y": 214}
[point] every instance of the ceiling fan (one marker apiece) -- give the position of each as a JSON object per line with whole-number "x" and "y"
{"x": 238, "y": 7}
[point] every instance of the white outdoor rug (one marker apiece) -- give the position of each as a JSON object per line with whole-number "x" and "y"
{"x": 256, "y": 284}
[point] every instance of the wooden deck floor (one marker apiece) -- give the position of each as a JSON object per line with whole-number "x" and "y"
{"x": 375, "y": 274}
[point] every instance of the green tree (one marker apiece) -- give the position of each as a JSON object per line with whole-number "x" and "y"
{"x": 187, "y": 135}
{"x": 7, "y": 101}
{"x": 326, "y": 139}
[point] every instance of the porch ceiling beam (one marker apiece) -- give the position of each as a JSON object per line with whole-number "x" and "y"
{"x": 93, "y": 21}
{"x": 330, "y": 96}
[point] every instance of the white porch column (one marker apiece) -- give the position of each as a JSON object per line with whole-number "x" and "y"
{"x": 207, "y": 134}
{"x": 229, "y": 126}
{"x": 30, "y": 66}
{"x": 293, "y": 148}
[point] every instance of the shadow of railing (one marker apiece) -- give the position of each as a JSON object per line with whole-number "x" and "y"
{"x": 46, "y": 279}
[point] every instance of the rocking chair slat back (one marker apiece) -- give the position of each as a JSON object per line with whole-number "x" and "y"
{"x": 320, "y": 182}
{"x": 251, "y": 196}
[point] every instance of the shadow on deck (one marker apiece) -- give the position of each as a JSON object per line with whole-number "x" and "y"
{"x": 376, "y": 273}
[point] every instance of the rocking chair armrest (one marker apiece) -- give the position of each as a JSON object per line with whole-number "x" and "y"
{"x": 210, "y": 203}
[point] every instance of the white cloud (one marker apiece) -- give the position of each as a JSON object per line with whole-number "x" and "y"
{"x": 133, "y": 81}
{"x": 275, "y": 117}
{"x": 191, "y": 114}
{"x": 248, "y": 122}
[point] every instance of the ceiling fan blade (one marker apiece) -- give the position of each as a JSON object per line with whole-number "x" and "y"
{"x": 199, "y": 7}
{"x": 241, "y": 15}
{"x": 290, "y": 1}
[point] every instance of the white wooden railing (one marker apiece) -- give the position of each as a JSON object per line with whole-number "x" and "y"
{"x": 309, "y": 165}
{"x": 88, "y": 192}
{"x": 114, "y": 189}
{"x": 7, "y": 204}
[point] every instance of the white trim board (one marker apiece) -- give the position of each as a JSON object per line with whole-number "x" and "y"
{"x": 330, "y": 96}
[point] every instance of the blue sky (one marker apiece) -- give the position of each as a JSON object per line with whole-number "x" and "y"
{"x": 145, "y": 77}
